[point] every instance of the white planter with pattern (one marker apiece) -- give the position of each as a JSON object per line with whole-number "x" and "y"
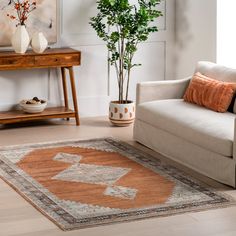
{"x": 122, "y": 114}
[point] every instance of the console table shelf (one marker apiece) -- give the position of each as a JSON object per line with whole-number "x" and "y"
{"x": 63, "y": 58}
{"x": 10, "y": 117}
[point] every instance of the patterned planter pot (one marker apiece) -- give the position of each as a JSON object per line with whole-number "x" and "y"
{"x": 122, "y": 114}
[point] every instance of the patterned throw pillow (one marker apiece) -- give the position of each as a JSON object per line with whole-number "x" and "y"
{"x": 213, "y": 94}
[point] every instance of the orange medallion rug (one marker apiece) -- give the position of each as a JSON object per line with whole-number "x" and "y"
{"x": 81, "y": 184}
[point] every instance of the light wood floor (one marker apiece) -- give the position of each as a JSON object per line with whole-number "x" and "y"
{"x": 17, "y": 217}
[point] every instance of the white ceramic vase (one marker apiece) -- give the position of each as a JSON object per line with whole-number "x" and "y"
{"x": 20, "y": 39}
{"x": 122, "y": 114}
{"x": 39, "y": 43}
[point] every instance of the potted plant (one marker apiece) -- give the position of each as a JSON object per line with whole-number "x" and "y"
{"x": 123, "y": 24}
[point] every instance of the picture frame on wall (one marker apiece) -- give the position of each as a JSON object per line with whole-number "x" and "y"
{"x": 42, "y": 19}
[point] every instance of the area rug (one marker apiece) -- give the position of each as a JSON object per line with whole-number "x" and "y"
{"x": 79, "y": 184}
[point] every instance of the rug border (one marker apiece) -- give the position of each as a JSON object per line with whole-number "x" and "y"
{"x": 120, "y": 220}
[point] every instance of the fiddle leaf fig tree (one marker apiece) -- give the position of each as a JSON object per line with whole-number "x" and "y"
{"x": 123, "y": 24}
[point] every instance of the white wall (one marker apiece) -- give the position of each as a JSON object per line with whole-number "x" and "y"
{"x": 95, "y": 89}
{"x": 195, "y": 34}
{"x": 226, "y": 35}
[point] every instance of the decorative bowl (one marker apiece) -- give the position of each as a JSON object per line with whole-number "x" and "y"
{"x": 33, "y": 105}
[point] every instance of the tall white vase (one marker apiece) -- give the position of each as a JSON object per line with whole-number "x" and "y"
{"x": 39, "y": 43}
{"x": 20, "y": 39}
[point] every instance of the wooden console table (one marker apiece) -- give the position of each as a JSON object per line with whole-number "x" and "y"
{"x": 64, "y": 58}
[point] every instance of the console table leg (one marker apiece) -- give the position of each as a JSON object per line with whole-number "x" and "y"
{"x": 63, "y": 74}
{"x": 73, "y": 89}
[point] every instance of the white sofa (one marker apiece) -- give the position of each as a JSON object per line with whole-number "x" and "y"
{"x": 190, "y": 134}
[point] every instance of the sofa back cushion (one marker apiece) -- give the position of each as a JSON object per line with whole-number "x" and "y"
{"x": 210, "y": 93}
{"x": 216, "y": 71}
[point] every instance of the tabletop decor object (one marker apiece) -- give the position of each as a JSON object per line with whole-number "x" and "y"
{"x": 20, "y": 39}
{"x": 39, "y": 42}
{"x": 123, "y": 24}
{"x": 34, "y": 105}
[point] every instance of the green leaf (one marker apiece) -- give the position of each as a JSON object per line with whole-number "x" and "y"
{"x": 112, "y": 2}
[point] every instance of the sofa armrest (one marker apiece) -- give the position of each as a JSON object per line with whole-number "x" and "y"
{"x": 160, "y": 90}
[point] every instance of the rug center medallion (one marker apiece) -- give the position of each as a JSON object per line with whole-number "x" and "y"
{"x": 95, "y": 174}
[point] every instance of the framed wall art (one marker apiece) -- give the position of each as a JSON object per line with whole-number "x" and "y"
{"x": 42, "y": 19}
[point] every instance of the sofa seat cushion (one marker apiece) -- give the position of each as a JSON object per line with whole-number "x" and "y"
{"x": 211, "y": 130}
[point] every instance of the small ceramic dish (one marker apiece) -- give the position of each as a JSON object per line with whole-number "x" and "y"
{"x": 34, "y": 105}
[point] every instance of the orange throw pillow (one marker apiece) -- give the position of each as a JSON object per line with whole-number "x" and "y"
{"x": 213, "y": 94}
